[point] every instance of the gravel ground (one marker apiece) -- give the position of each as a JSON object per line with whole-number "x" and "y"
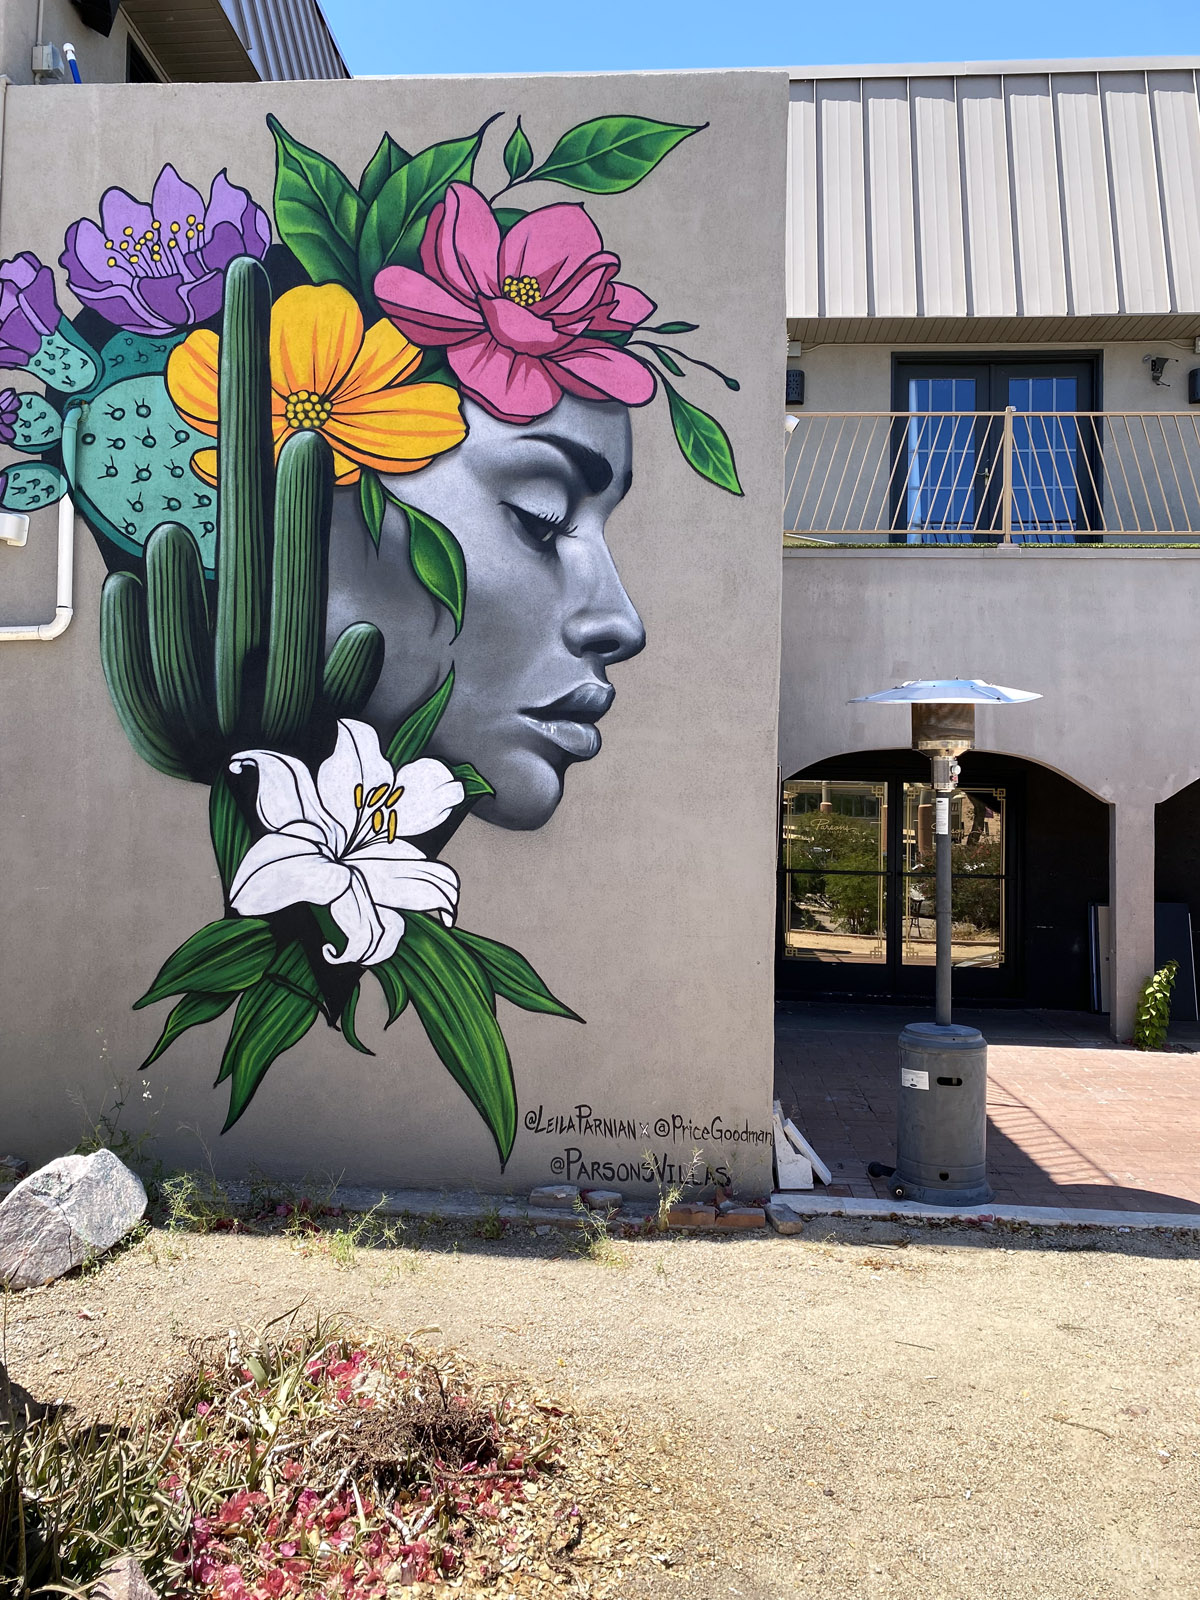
{"x": 864, "y": 1410}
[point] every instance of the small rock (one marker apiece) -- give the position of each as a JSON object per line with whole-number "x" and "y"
{"x": 58, "y": 1216}
{"x": 783, "y": 1219}
{"x": 690, "y": 1214}
{"x": 602, "y": 1199}
{"x": 542, "y": 1229}
{"x": 555, "y": 1194}
{"x": 124, "y": 1580}
{"x": 732, "y": 1215}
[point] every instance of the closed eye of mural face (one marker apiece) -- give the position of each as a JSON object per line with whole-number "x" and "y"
{"x": 351, "y": 465}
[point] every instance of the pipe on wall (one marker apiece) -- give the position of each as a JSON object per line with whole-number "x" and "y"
{"x": 64, "y": 607}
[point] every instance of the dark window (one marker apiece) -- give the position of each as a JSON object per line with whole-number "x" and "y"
{"x": 137, "y": 68}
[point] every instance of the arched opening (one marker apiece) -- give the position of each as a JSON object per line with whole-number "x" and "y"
{"x": 1177, "y": 889}
{"x": 856, "y": 881}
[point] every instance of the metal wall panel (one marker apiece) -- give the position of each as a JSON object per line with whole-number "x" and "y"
{"x": 991, "y": 258}
{"x": 942, "y": 265}
{"x": 843, "y": 235}
{"x": 891, "y": 243}
{"x": 286, "y": 39}
{"x": 1176, "y": 109}
{"x": 1091, "y": 246}
{"x": 1001, "y": 193}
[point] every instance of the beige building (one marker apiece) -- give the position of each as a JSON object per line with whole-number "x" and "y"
{"x": 993, "y": 281}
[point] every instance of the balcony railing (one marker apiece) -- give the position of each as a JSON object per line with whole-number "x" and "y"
{"x": 1012, "y": 477}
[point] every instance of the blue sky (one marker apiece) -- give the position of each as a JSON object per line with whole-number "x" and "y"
{"x": 386, "y": 36}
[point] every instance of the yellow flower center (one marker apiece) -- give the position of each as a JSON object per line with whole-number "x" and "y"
{"x": 525, "y": 291}
{"x": 306, "y": 410}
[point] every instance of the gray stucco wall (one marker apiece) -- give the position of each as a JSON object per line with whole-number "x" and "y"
{"x": 646, "y": 902}
{"x": 1107, "y": 637}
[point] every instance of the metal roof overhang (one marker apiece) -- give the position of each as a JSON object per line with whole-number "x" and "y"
{"x": 977, "y": 332}
{"x": 193, "y": 41}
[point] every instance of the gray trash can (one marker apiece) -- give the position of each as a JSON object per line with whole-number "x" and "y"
{"x": 941, "y": 1130}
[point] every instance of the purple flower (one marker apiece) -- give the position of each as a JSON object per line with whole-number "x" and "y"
{"x": 9, "y": 403}
{"x": 154, "y": 268}
{"x": 28, "y": 309}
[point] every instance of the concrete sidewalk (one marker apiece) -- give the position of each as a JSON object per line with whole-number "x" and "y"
{"x": 1073, "y": 1119}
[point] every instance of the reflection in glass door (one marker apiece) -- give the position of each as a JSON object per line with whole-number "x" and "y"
{"x": 835, "y": 872}
{"x": 977, "y": 895}
{"x": 858, "y": 884}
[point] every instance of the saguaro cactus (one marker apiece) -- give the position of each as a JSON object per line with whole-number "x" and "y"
{"x": 199, "y": 669}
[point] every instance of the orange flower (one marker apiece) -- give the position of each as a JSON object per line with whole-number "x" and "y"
{"x": 330, "y": 376}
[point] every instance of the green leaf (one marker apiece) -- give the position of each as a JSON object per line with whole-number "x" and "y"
{"x": 668, "y": 360}
{"x": 451, "y": 996}
{"x": 348, "y": 1011}
{"x": 373, "y": 500}
{"x": 518, "y": 153}
{"x": 437, "y": 560}
{"x": 474, "y": 783}
{"x": 318, "y": 213}
{"x": 512, "y": 976}
{"x": 507, "y": 217}
{"x": 675, "y": 327}
{"x": 192, "y": 1010}
{"x": 388, "y": 159}
{"x": 415, "y": 732}
{"x": 271, "y": 1017}
{"x": 395, "y": 221}
{"x": 229, "y": 828}
{"x": 610, "y": 154}
{"x": 703, "y": 441}
{"x": 226, "y": 955}
{"x": 394, "y": 990}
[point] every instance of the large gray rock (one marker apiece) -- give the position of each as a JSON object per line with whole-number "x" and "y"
{"x": 75, "y": 1207}
{"x": 124, "y": 1580}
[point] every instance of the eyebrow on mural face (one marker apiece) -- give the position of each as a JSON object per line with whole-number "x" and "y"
{"x": 595, "y": 469}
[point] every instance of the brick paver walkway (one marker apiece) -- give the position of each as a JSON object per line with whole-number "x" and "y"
{"x": 1072, "y": 1119}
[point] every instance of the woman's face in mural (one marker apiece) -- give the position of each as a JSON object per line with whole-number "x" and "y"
{"x": 546, "y": 612}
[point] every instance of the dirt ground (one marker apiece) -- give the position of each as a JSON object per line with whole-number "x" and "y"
{"x": 863, "y": 1410}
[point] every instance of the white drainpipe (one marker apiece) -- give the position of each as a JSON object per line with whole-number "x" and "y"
{"x": 64, "y": 608}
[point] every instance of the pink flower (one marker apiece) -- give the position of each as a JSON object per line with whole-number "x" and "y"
{"x": 520, "y": 316}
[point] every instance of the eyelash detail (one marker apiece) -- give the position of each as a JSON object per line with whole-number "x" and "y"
{"x": 540, "y": 527}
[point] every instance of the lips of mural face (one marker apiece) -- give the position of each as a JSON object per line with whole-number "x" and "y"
{"x": 546, "y": 613}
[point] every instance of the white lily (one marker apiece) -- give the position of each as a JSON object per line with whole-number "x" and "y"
{"x": 343, "y": 841}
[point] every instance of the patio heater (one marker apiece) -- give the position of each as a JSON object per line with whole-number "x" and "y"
{"x": 941, "y": 1126}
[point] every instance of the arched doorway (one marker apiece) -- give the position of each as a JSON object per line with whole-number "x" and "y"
{"x": 856, "y": 881}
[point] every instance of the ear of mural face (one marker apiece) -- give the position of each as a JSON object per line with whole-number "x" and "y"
{"x": 546, "y": 613}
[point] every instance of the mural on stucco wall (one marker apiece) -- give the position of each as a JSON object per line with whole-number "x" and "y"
{"x": 351, "y": 476}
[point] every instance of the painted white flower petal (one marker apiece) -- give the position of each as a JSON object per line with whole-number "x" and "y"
{"x": 285, "y": 870}
{"x": 431, "y": 792}
{"x": 355, "y": 914}
{"x": 393, "y": 932}
{"x": 356, "y": 759}
{"x": 287, "y": 794}
{"x": 411, "y": 885}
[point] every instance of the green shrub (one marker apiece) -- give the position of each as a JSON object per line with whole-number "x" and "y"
{"x": 1154, "y": 1009}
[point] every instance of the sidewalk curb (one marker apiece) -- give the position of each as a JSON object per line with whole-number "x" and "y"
{"x": 464, "y": 1205}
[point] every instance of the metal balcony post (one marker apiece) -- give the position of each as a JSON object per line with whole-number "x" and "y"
{"x": 1006, "y": 475}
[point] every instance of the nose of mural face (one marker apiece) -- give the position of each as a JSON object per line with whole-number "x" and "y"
{"x": 606, "y": 627}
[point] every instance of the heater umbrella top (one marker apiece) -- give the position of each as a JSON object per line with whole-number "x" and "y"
{"x": 948, "y": 691}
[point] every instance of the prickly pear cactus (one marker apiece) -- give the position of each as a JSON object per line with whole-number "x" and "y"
{"x": 133, "y": 455}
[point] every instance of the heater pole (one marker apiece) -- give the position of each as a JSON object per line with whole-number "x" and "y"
{"x": 943, "y": 785}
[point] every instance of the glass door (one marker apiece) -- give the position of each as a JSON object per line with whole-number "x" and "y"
{"x": 857, "y": 886}
{"x": 947, "y": 452}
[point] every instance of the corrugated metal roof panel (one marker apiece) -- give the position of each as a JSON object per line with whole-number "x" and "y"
{"x": 286, "y": 39}
{"x": 237, "y": 41}
{"x": 981, "y": 193}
